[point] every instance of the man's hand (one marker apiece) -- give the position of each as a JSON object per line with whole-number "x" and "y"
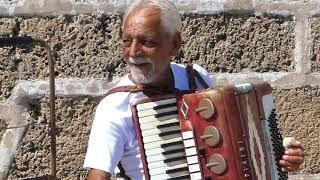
{"x": 95, "y": 174}
{"x": 293, "y": 156}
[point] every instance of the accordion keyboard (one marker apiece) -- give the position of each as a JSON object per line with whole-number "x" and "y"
{"x": 170, "y": 153}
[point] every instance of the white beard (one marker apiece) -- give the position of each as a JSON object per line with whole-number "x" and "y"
{"x": 143, "y": 75}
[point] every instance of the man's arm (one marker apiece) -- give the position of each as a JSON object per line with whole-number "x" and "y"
{"x": 95, "y": 174}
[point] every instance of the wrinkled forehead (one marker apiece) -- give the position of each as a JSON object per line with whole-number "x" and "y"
{"x": 147, "y": 18}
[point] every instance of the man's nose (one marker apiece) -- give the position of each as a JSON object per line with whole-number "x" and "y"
{"x": 135, "y": 49}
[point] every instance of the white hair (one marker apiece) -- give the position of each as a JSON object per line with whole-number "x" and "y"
{"x": 170, "y": 17}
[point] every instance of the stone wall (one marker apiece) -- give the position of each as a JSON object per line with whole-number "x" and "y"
{"x": 235, "y": 40}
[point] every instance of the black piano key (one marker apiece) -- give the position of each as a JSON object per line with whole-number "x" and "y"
{"x": 187, "y": 176}
{"x": 171, "y": 144}
{"x": 166, "y": 114}
{"x": 164, "y": 106}
{"x": 177, "y": 170}
{"x": 173, "y": 151}
{"x": 168, "y": 125}
{"x": 174, "y": 159}
{"x": 169, "y": 133}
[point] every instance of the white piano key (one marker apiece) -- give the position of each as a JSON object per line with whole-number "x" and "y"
{"x": 195, "y": 176}
{"x": 189, "y": 143}
{"x": 156, "y": 138}
{"x": 149, "y": 119}
{"x": 158, "y": 164}
{"x": 162, "y": 170}
{"x": 152, "y": 125}
{"x": 158, "y": 144}
{"x": 161, "y": 157}
{"x": 194, "y": 168}
{"x": 187, "y": 134}
{"x": 151, "y": 112}
{"x": 191, "y": 151}
{"x": 151, "y": 152}
{"x": 168, "y": 176}
{"x": 192, "y": 160}
{"x": 156, "y": 131}
{"x": 150, "y": 105}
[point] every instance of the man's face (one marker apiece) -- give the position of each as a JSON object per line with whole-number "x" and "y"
{"x": 147, "y": 47}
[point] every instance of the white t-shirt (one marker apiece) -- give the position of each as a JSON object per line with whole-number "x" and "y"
{"x": 113, "y": 137}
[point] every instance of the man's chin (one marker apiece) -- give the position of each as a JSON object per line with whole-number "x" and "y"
{"x": 142, "y": 80}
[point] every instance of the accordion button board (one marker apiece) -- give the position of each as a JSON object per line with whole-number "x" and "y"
{"x": 226, "y": 133}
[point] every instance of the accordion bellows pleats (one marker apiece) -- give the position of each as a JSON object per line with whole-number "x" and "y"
{"x": 228, "y": 133}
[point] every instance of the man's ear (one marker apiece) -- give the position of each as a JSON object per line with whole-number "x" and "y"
{"x": 176, "y": 44}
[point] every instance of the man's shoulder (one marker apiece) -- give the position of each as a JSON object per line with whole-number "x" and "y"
{"x": 114, "y": 96}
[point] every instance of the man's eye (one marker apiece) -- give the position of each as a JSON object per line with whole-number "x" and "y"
{"x": 126, "y": 43}
{"x": 149, "y": 43}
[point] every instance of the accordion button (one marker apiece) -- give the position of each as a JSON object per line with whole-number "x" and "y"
{"x": 205, "y": 108}
{"x": 211, "y": 136}
{"x": 217, "y": 164}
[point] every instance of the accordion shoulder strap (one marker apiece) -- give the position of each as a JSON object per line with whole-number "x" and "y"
{"x": 192, "y": 74}
{"x": 148, "y": 91}
{"x": 130, "y": 89}
{"x": 122, "y": 172}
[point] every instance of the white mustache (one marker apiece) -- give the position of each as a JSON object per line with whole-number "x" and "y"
{"x": 138, "y": 60}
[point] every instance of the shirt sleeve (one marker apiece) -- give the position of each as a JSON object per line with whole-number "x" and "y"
{"x": 106, "y": 141}
{"x": 204, "y": 74}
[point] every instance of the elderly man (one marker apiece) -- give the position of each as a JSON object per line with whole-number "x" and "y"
{"x": 151, "y": 37}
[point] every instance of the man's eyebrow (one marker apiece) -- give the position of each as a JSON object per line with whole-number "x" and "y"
{"x": 148, "y": 36}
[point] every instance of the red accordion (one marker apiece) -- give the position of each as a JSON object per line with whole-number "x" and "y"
{"x": 228, "y": 132}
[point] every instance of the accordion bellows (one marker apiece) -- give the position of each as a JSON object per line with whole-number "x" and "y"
{"x": 228, "y": 133}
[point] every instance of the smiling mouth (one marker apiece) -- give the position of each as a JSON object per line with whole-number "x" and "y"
{"x": 140, "y": 64}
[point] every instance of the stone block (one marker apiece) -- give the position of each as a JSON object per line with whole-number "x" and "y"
{"x": 186, "y": 5}
{"x": 74, "y": 117}
{"x": 3, "y": 128}
{"x": 315, "y": 57}
{"x": 4, "y": 11}
{"x": 238, "y": 5}
{"x": 299, "y": 115}
{"x": 43, "y": 7}
{"x": 83, "y": 47}
{"x": 210, "y": 6}
{"x": 239, "y": 43}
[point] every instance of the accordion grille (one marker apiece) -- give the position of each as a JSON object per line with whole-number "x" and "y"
{"x": 277, "y": 146}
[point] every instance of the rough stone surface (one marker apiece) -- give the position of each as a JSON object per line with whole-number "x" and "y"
{"x": 315, "y": 59}
{"x": 239, "y": 43}
{"x": 74, "y": 118}
{"x": 84, "y": 47}
{"x": 299, "y": 115}
{"x": 3, "y": 126}
{"x": 88, "y": 46}
{"x": 8, "y": 64}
